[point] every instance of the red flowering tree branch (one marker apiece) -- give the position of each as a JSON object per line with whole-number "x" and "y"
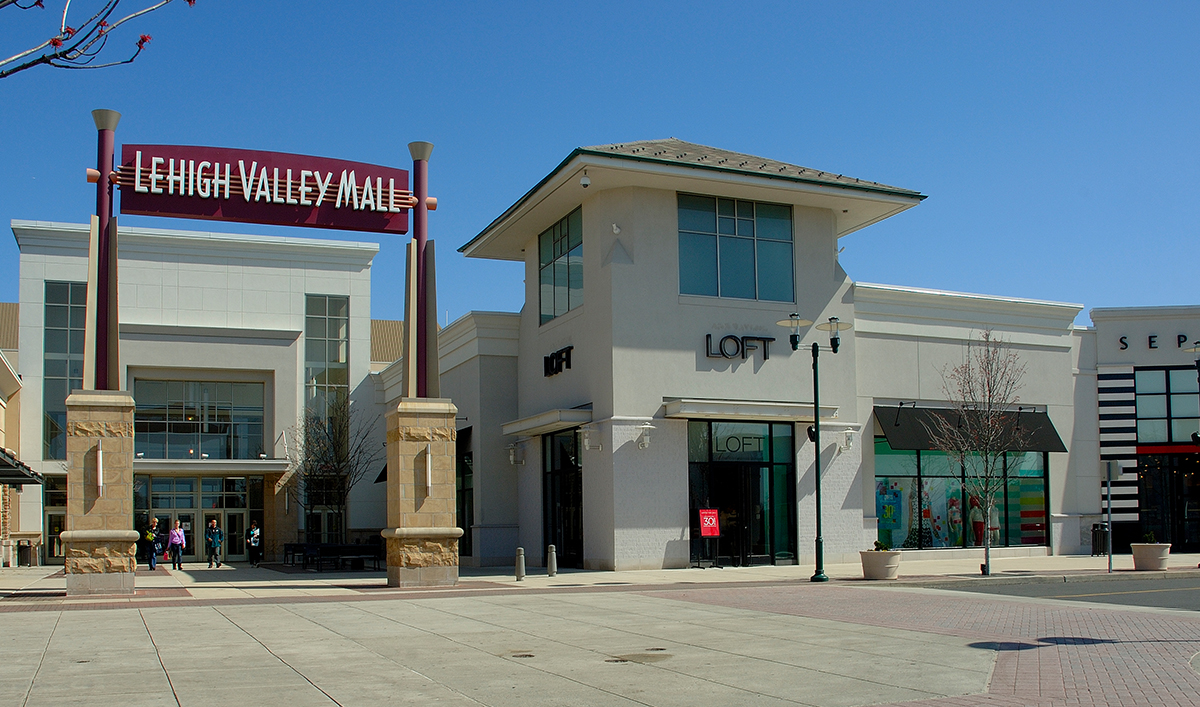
{"x": 77, "y": 45}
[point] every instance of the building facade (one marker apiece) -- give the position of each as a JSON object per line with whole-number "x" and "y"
{"x": 646, "y": 378}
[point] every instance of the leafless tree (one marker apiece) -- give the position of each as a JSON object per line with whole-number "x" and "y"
{"x": 983, "y": 421}
{"x": 78, "y": 45}
{"x": 333, "y": 453}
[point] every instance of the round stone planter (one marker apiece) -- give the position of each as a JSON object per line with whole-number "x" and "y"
{"x": 1150, "y": 556}
{"x": 880, "y": 564}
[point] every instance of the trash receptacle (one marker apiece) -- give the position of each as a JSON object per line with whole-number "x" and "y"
{"x": 24, "y": 553}
{"x": 1099, "y": 538}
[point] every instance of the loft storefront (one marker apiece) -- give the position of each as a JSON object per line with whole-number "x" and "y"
{"x": 651, "y": 380}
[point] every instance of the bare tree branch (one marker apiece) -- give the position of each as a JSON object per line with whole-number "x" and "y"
{"x": 333, "y": 454}
{"x": 983, "y": 421}
{"x": 77, "y": 47}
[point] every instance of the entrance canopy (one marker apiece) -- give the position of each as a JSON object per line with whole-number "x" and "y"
{"x": 908, "y": 428}
{"x": 14, "y": 472}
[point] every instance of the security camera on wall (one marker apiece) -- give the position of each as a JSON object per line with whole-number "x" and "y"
{"x": 585, "y": 181}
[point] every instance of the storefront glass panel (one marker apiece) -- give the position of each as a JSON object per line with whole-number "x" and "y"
{"x": 951, "y": 513}
{"x": 744, "y": 471}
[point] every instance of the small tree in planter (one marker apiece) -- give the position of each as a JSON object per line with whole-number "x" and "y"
{"x": 1150, "y": 554}
{"x": 983, "y": 421}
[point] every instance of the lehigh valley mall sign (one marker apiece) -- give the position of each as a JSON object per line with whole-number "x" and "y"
{"x": 252, "y": 186}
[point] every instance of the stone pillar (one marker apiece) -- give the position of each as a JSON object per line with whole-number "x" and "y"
{"x": 100, "y": 543}
{"x": 422, "y": 537}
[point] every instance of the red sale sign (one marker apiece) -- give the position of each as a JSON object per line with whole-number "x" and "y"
{"x": 710, "y": 526}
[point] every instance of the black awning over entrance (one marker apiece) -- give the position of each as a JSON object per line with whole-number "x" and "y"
{"x": 14, "y": 472}
{"x": 908, "y": 428}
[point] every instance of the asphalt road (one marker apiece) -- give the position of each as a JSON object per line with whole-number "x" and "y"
{"x": 1181, "y": 593}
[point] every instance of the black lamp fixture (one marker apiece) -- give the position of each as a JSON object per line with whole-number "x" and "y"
{"x": 833, "y": 326}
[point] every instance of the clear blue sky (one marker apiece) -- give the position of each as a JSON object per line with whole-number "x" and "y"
{"x": 1057, "y": 141}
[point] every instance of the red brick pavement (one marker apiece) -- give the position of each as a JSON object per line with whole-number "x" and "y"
{"x": 1048, "y": 655}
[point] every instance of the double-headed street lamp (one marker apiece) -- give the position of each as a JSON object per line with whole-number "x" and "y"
{"x": 833, "y": 326}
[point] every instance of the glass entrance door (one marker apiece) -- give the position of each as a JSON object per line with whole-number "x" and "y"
{"x": 753, "y": 503}
{"x": 562, "y": 497}
{"x": 1169, "y": 499}
{"x": 233, "y": 523}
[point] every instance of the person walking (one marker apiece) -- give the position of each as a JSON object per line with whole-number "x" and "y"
{"x": 254, "y": 543}
{"x": 153, "y": 543}
{"x": 175, "y": 544}
{"x": 214, "y": 538}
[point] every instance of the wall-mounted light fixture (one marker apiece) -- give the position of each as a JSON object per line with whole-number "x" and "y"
{"x": 588, "y": 432}
{"x": 262, "y": 455}
{"x": 512, "y": 456}
{"x": 846, "y": 443}
{"x": 644, "y": 436}
{"x": 140, "y": 455}
{"x": 203, "y": 455}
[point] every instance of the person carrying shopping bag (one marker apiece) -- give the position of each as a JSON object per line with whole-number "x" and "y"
{"x": 175, "y": 545}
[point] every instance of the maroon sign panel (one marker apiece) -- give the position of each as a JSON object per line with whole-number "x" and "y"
{"x": 184, "y": 181}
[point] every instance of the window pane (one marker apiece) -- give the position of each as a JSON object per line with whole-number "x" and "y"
{"x": 58, "y": 292}
{"x": 890, "y": 462}
{"x": 1185, "y": 405}
{"x": 775, "y": 280}
{"x": 727, "y": 226}
{"x": 339, "y": 307}
{"x": 56, "y": 341}
{"x": 1181, "y": 430}
{"x": 248, "y": 394}
{"x": 941, "y": 511}
{"x": 78, "y": 317}
{"x": 1150, "y": 381}
{"x": 1025, "y": 464}
{"x": 315, "y": 305}
{"x": 895, "y": 511}
{"x": 1026, "y": 511}
{"x": 725, "y": 207}
{"x": 546, "y": 287}
{"x": 1151, "y": 431}
{"x": 745, "y": 209}
{"x": 697, "y": 441}
{"x": 545, "y": 249}
{"x": 58, "y": 316}
{"x": 575, "y": 229}
{"x": 737, "y": 267}
{"x": 560, "y": 287}
{"x": 774, "y": 222}
{"x": 781, "y": 444}
{"x": 745, "y": 228}
{"x": 79, "y": 293}
{"x": 55, "y": 368}
{"x": 75, "y": 344}
{"x": 575, "y": 277}
{"x": 150, "y": 393}
{"x": 1151, "y": 406}
{"x": 314, "y": 327}
{"x": 939, "y": 464}
{"x": 740, "y": 441}
{"x": 697, "y": 264}
{"x": 1184, "y": 381}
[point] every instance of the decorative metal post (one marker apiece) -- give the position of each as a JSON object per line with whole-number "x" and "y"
{"x": 420, "y": 152}
{"x": 106, "y": 271}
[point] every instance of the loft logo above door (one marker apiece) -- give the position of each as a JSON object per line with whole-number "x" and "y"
{"x": 557, "y": 362}
{"x": 732, "y": 346}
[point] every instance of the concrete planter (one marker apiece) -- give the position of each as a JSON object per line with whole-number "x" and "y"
{"x": 1150, "y": 556}
{"x": 880, "y": 564}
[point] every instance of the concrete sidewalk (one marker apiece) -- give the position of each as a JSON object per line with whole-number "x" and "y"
{"x": 43, "y": 587}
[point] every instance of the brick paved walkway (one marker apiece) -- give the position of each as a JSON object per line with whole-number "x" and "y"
{"x": 1049, "y": 655}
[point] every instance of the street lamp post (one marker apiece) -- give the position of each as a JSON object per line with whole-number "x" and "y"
{"x": 833, "y": 326}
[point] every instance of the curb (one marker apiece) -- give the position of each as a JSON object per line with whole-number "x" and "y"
{"x": 1116, "y": 576}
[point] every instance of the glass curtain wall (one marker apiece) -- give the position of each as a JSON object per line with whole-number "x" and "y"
{"x": 62, "y": 354}
{"x": 187, "y": 419}
{"x": 735, "y": 248}
{"x": 326, "y": 350}
{"x": 560, "y": 266}
{"x": 924, "y": 500}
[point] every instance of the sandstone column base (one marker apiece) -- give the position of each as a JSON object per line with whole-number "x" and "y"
{"x": 422, "y": 557}
{"x": 99, "y": 561}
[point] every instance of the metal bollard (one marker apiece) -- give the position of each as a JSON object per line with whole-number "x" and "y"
{"x": 551, "y": 561}
{"x": 520, "y": 564}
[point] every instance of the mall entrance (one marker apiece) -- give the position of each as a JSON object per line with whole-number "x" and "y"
{"x": 233, "y": 501}
{"x": 1169, "y": 499}
{"x": 744, "y": 471}
{"x": 562, "y": 496}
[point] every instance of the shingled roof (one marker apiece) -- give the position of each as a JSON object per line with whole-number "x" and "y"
{"x": 675, "y": 151}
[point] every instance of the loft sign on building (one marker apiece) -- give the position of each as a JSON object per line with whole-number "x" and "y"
{"x": 634, "y": 404}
